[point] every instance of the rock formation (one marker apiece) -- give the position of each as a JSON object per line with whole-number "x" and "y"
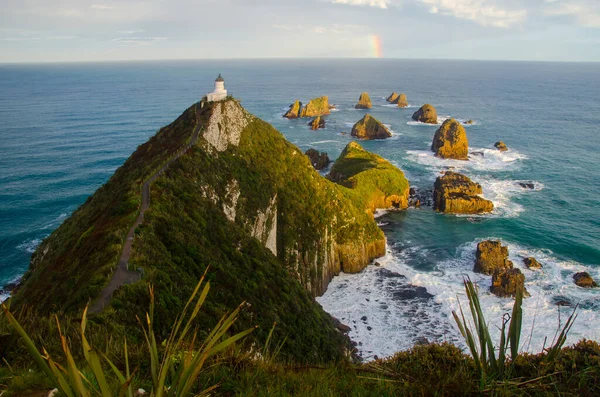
{"x": 364, "y": 102}
{"x": 454, "y": 193}
{"x": 370, "y": 128}
{"x": 317, "y": 123}
{"x": 294, "y": 110}
{"x": 377, "y": 183}
{"x": 584, "y": 280}
{"x": 491, "y": 256}
{"x": 500, "y": 146}
{"x": 506, "y": 282}
{"x": 532, "y": 263}
{"x": 426, "y": 114}
{"x": 392, "y": 98}
{"x": 316, "y": 107}
{"x": 469, "y": 122}
{"x": 319, "y": 160}
{"x": 450, "y": 141}
{"x": 402, "y": 101}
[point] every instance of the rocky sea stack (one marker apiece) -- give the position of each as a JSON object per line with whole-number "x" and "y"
{"x": 450, "y": 141}
{"x": 393, "y": 97}
{"x": 401, "y": 101}
{"x": 501, "y": 146}
{"x": 426, "y": 114}
{"x": 317, "y": 123}
{"x": 506, "y": 283}
{"x": 315, "y": 107}
{"x": 454, "y": 193}
{"x": 319, "y": 160}
{"x": 584, "y": 280}
{"x": 370, "y": 128}
{"x": 378, "y": 182}
{"x": 364, "y": 102}
{"x": 491, "y": 256}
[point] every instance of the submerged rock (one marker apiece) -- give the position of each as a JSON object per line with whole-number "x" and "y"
{"x": 319, "y": 160}
{"x": 450, "y": 141}
{"x": 454, "y": 193}
{"x": 584, "y": 280}
{"x": 294, "y": 110}
{"x": 401, "y": 101}
{"x": 491, "y": 256}
{"x": 316, "y": 107}
{"x": 426, "y": 114}
{"x": 506, "y": 283}
{"x": 317, "y": 123}
{"x": 364, "y": 102}
{"x": 469, "y": 122}
{"x": 370, "y": 128}
{"x": 527, "y": 185}
{"x": 532, "y": 263}
{"x": 392, "y": 98}
{"x": 500, "y": 146}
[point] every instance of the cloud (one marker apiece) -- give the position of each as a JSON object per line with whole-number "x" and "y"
{"x": 101, "y": 7}
{"x": 483, "y": 12}
{"x": 319, "y": 29}
{"x": 370, "y": 3}
{"x": 585, "y": 12}
{"x": 139, "y": 40}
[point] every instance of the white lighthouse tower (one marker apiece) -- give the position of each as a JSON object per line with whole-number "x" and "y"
{"x": 219, "y": 93}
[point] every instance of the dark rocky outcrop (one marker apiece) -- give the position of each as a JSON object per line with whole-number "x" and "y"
{"x": 426, "y": 114}
{"x": 294, "y": 110}
{"x": 527, "y": 185}
{"x": 469, "y": 122}
{"x": 370, "y": 128}
{"x": 584, "y": 280}
{"x": 454, "y": 193}
{"x": 491, "y": 256}
{"x": 317, "y": 123}
{"x": 393, "y": 97}
{"x": 319, "y": 160}
{"x": 500, "y": 146}
{"x": 364, "y": 102}
{"x": 532, "y": 263}
{"x": 450, "y": 141}
{"x": 506, "y": 283}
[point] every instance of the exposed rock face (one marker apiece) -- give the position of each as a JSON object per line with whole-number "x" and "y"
{"x": 317, "y": 123}
{"x": 402, "y": 101}
{"x": 426, "y": 114}
{"x": 376, "y": 181}
{"x": 532, "y": 263}
{"x": 226, "y": 124}
{"x": 450, "y": 141}
{"x": 454, "y": 193}
{"x": 392, "y": 98}
{"x": 491, "y": 256}
{"x": 294, "y": 110}
{"x": 500, "y": 146}
{"x": 319, "y": 160}
{"x": 364, "y": 102}
{"x": 583, "y": 279}
{"x": 370, "y": 128}
{"x": 506, "y": 282}
{"x": 316, "y": 107}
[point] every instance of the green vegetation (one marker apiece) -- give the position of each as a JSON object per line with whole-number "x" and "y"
{"x": 316, "y": 107}
{"x": 374, "y": 181}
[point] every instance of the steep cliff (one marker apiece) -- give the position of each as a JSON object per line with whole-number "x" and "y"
{"x": 241, "y": 200}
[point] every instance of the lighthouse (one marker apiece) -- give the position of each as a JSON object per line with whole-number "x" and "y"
{"x": 220, "y": 92}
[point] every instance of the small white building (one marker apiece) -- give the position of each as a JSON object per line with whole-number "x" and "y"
{"x": 219, "y": 93}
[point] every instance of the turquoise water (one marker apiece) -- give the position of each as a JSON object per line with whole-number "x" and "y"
{"x": 64, "y": 129}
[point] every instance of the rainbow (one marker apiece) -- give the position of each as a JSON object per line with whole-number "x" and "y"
{"x": 376, "y": 51}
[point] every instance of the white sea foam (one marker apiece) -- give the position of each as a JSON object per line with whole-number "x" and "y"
{"x": 327, "y": 141}
{"x": 29, "y": 246}
{"x": 4, "y": 296}
{"x": 399, "y": 318}
{"x": 480, "y": 159}
{"x": 440, "y": 120}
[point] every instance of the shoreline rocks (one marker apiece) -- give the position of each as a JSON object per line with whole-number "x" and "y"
{"x": 426, "y": 114}
{"x": 319, "y": 160}
{"x": 364, "y": 102}
{"x": 370, "y": 128}
{"x": 317, "y": 123}
{"x": 532, "y": 263}
{"x": 454, "y": 193}
{"x": 491, "y": 256}
{"x": 501, "y": 146}
{"x": 584, "y": 280}
{"x": 506, "y": 283}
{"x": 450, "y": 141}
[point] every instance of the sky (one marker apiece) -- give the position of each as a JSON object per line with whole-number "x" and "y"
{"x": 111, "y": 30}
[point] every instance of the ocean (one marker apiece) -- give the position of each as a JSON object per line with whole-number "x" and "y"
{"x": 65, "y": 128}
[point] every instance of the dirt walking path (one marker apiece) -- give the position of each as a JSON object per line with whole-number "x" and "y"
{"x": 122, "y": 274}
